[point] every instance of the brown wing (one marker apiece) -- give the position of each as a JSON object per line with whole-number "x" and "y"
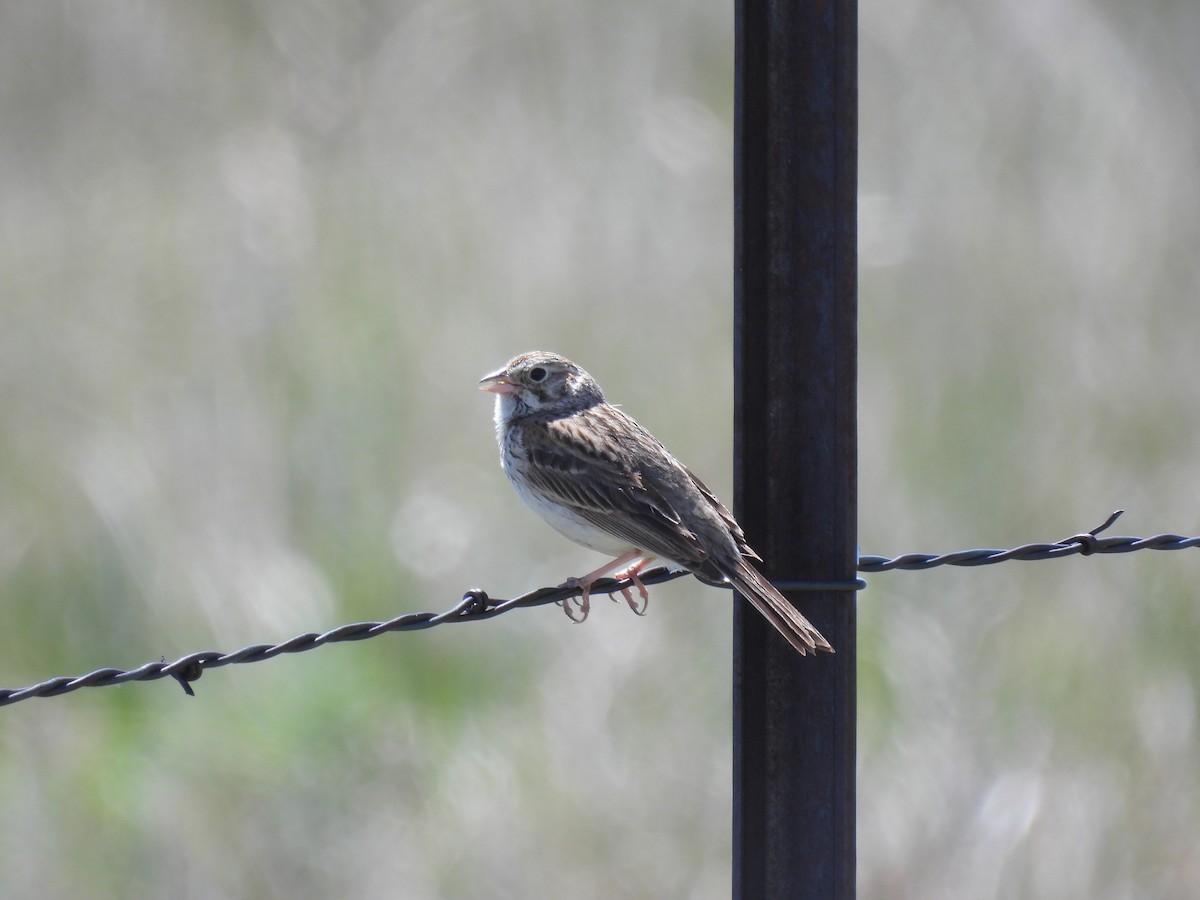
{"x": 585, "y": 465}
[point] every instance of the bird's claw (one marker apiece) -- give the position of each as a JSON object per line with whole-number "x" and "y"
{"x": 584, "y": 585}
{"x": 632, "y": 575}
{"x": 584, "y": 602}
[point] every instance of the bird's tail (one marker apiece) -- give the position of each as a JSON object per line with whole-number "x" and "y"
{"x": 775, "y": 608}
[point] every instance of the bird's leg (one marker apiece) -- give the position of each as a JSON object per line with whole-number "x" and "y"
{"x": 585, "y": 582}
{"x": 632, "y": 573}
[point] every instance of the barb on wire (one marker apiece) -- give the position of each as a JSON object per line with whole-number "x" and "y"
{"x": 476, "y": 605}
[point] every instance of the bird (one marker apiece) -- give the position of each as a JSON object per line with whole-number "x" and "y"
{"x": 605, "y": 482}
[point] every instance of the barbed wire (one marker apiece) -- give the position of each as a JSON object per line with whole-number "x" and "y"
{"x": 476, "y": 606}
{"x": 1085, "y": 543}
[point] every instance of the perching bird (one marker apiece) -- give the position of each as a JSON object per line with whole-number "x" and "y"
{"x": 605, "y": 482}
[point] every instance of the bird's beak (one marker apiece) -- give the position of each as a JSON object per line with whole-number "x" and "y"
{"x": 498, "y": 383}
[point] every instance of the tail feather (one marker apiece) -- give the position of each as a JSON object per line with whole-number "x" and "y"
{"x": 775, "y": 608}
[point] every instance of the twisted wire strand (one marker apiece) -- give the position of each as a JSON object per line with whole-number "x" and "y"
{"x": 1027, "y": 552}
{"x": 1085, "y": 543}
{"x": 476, "y": 606}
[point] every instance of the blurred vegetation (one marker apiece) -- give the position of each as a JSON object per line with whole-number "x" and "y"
{"x": 254, "y": 256}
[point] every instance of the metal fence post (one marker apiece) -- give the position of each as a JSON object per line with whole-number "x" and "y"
{"x": 795, "y": 440}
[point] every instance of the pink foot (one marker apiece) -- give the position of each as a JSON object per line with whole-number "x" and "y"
{"x": 585, "y": 603}
{"x": 632, "y": 574}
{"x": 637, "y": 561}
{"x": 585, "y": 582}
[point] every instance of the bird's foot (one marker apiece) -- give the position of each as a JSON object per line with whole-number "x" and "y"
{"x": 584, "y": 602}
{"x": 632, "y": 574}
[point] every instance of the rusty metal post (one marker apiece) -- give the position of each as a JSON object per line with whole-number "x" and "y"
{"x": 795, "y": 441}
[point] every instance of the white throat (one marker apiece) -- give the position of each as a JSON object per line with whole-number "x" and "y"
{"x": 506, "y": 408}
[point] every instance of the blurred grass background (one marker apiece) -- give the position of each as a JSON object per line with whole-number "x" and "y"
{"x": 255, "y": 255}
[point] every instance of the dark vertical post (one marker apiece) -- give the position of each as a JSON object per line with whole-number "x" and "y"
{"x": 795, "y": 440}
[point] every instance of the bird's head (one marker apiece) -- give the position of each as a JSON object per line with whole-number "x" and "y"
{"x": 542, "y": 382}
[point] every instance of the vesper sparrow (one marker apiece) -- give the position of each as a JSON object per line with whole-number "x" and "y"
{"x": 605, "y": 482}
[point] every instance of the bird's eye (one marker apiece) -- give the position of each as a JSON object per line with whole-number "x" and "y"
{"x": 537, "y": 374}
